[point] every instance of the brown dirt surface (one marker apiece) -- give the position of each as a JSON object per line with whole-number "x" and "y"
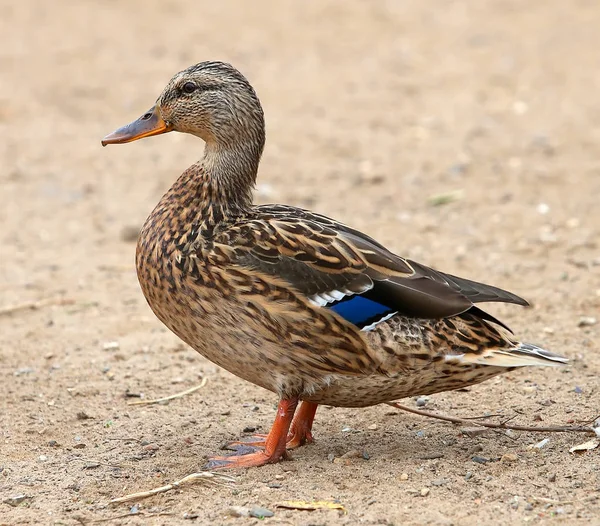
{"x": 372, "y": 108}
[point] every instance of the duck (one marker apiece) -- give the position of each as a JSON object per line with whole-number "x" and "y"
{"x": 293, "y": 301}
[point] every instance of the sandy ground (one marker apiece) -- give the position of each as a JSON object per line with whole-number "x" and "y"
{"x": 372, "y": 108}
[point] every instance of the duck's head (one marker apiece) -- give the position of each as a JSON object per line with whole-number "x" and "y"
{"x": 211, "y": 100}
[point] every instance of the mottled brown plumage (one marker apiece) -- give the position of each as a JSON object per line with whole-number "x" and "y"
{"x": 290, "y": 300}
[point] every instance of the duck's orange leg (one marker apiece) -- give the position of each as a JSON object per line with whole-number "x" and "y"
{"x": 301, "y": 428}
{"x": 274, "y": 444}
{"x": 300, "y": 431}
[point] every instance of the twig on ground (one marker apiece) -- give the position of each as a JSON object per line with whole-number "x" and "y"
{"x": 204, "y": 476}
{"x": 34, "y": 305}
{"x": 171, "y": 397}
{"x": 492, "y": 425}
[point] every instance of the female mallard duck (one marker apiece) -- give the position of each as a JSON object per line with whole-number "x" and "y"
{"x": 290, "y": 300}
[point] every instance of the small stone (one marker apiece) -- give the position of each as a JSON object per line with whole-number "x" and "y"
{"x": 552, "y": 477}
{"x": 274, "y": 485}
{"x": 509, "y": 458}
{"x": 331, "y": 457}
{"x": 439, "y": 482}
{"x": 540, "y": 444}
{"x": 79, "y": 445}
{"x": 279, "y": 477}
{"x": 468, "y": 475}
{"x": 372, "y": 427}
{"x": 543, "y": 208}
{"x": 422, "y": 401}
{"x": 16, "y": 500}
{"x": 53, "y": 443}
{"x": 403, "y": 477}
{"x": 42, "y": 458}
{"x": 587, "y": 321}
{"x": 424, "y": 492}
{"x": 110, "y": 346}
{"x": 191, "y": 515}
{"x": 82, "y": 415}
{"x": 528, "y": 506}
{"x": 249, "y": 429}
{"x": 260, "y": 513}
{"x": 480, "y": 460}
{"x": 151, "y": 447}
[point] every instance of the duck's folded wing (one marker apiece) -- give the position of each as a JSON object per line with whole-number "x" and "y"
{"x": 331, "y": 264}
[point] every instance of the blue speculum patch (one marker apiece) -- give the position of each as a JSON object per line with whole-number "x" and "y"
{"x": 361, "y": 311}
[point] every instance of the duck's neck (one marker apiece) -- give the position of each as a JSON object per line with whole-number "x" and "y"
{"x": 217, "y": 187}
{"x": 229, "y": 174}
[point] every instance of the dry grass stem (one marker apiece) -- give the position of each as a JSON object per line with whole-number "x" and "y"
{"x": 171, "y": 397}
{"x": 204, "y": 476}
{"x": 499, "y": 425}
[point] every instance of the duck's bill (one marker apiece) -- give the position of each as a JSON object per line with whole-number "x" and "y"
{"x": 151, "y": 123}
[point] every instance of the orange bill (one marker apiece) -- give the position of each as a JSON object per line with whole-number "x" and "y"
{"x": 151, "y": 123}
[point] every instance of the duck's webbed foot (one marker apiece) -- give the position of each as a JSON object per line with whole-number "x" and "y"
{"x": 300, "y": 432}
{"x": 273, "y": 446}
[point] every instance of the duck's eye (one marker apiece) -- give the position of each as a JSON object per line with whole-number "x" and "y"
{"x": 189, "y": 87}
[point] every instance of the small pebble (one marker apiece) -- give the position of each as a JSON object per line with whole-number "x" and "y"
{"x": 528, "y": 506}
{"x": 424, "y": 492}
{"x": 468, "y": 475}
{"x": 110, "y": 346}
{"x": 403, "y": 477}
{"x": 480, "y": 460}
{"x": 260, "y": 513}
{"x": 540, "y": 444}
{"x": 279, "y": 477}
{"x": 53, "y": 443}
{"x": 274, "y": 485}
{"x": 509, "y": 458}
{"x": 249, "y": 429}
{"x": 42, "y": 458}
{"x": 543, "y": 209}
{"x": 587, "y": 321}
{"x": 422, "y": 401}
{"x": 552, "y": 478}
{"x": 191, "y": 515}
{"x": 16, "y": 500}
{"x": 82, "y": 415}
{"x": 372, "y": 427}
{"x": 439, "y": 482}
{"x": 79, "y": 445}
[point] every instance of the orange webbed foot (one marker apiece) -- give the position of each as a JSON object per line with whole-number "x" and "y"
{"x": 274, "y": 444}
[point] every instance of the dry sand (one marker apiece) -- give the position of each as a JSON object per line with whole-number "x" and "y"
{"x": 372, "y": 108}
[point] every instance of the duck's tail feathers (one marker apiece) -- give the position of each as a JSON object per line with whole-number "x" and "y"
{"x": 523, "y": 354}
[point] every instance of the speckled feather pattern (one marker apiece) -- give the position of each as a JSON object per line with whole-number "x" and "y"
{"x": 260, "y": 329}
{"x": 249, "y": 286}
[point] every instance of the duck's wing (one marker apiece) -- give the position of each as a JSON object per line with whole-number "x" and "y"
{"x": 341, "y": 268}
